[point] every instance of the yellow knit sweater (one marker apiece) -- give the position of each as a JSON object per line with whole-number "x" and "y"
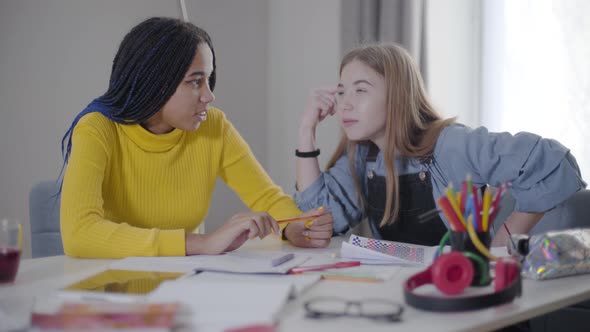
{"x": 128, "y": 192}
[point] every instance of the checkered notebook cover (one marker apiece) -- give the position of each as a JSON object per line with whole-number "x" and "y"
{"x": 409, "y": 252}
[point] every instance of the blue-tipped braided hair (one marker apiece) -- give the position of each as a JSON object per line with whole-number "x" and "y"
{"x": 150, "y": 64}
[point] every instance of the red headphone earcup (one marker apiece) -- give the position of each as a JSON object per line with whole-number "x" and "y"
{"x": 452, "y": 273}
{"x": 506, "y": 272}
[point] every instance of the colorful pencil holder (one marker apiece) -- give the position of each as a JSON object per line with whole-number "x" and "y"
{"x": 460, "y": 241}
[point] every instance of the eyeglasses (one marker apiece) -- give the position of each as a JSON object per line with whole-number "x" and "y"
{"x": 333, "y": 307}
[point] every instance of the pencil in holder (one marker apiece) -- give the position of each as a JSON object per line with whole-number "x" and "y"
{"x": 460, "y": 241}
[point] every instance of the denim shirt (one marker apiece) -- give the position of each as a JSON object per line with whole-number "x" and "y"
{"x": 542, "y": 172}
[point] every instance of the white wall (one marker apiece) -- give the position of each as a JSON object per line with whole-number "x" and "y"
{"x": 239, "y": 30}
{"x": 271, "y": 54}
{"x": 304, "y": 53}
{"x": 55, "y": 58}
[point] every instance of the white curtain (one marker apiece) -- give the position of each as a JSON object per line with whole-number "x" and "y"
{"x": 536, "y": 71}
{"x": 398, "y": 21}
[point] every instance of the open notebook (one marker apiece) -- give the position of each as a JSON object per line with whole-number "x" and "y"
{"x": 374, "y": 251}
{"x": 217, "y": 302}
{"x": 253, "y": 292}
{"x": 239, "y": 261}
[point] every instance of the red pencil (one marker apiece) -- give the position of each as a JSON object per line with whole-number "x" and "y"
{"x": 447, "y": 209}
{"x": 496, "y": 204}
{"x": 463, "y": 196}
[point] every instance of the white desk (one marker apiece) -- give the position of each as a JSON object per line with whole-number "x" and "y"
{"x": 39, "y": 277}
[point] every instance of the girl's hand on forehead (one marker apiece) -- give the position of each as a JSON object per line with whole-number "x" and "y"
{"x": 320, "y": 104}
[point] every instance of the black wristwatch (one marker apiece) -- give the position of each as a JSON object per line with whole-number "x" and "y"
{"x": 309, "y": 154}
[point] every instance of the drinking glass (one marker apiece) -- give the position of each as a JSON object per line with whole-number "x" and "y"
{"x": 10, "y": 249}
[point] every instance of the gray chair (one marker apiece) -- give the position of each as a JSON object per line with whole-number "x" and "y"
{"x": 573, "y": 213}
{"x": 44, "y": 203}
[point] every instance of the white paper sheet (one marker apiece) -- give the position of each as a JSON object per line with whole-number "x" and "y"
{"x": 368, "y": 256}
{"x": 221, "y": 304}
{"x": 300, "y": 282}
{"x": 396, "y": 253}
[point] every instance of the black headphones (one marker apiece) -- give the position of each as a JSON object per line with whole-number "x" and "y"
{"x": 451, "y": 273}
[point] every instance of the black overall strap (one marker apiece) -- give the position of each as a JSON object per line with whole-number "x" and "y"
{"x": 373, "y": 152}
{"x": 415, "y": 199}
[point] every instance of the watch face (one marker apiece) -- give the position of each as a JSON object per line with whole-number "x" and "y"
{"x": 123, "y": 281}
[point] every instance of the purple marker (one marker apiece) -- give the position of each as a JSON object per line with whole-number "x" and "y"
{"x": 282, "y": 259}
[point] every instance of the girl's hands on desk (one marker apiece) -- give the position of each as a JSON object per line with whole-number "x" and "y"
{"x": 315, "y": 233}
{"x": 237, "y": 230}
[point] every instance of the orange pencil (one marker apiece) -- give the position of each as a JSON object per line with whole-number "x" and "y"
{"x": 339, "y": 265}
{"x": 286, "y": 221}
{"x": 349, "y": 278}
{"x": 487, "y": 202}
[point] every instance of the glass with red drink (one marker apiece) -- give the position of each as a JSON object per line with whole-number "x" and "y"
{"x": 10, "y": 249}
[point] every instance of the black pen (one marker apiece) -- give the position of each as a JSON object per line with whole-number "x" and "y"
{"x": 424, "y": 217}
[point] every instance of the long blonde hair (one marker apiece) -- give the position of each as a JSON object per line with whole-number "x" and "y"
{"x": 412, "y": 125}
